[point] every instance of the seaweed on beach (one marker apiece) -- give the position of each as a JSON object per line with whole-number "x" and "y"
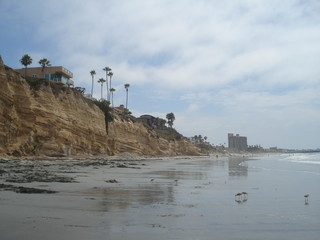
{"x": 20, "y": 189}
{"x": 28, "y": 177}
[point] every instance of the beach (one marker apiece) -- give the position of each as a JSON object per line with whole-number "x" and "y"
{"x": 161, "y": 198}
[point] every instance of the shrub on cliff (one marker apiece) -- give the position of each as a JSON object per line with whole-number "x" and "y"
{"x": 104, "y": 105}
{"x": 169, "y": 134}
{"x": 35, "y": 83}
{"x": 206, "y": 146}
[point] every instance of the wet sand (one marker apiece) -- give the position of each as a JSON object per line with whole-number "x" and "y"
{"x": 164, "y": 198}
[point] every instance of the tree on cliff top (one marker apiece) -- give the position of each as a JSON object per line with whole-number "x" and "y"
{"x": 171, "y": 118}
{"x": 25, "y": 61}
{"x": 44, "y": 63}
{"x": 93, "y": 72}
{"x": 104, "y": 105}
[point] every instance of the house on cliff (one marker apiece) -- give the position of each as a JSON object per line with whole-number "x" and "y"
{"x": 57, "y": 74}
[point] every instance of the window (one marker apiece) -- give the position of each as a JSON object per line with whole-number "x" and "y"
{"x": 34, "y": 75}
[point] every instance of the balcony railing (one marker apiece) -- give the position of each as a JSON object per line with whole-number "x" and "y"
{"x": 65, "y": 72}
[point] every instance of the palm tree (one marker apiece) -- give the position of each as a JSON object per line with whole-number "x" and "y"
{"x": 110, "y": 74}
{"x": 25, "y": 61}
{"x": 93, "y": 72}
{"x": 44, "y": 62}
{"x": 126, "y": 86}
{"x": 171, "y": 118}
{"x": 111, "y": 91}
{"x": 107, "y": 69}
{"x": 101, "y": 80}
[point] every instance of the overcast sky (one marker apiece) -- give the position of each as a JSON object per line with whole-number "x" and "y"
{"x": 250, "y": 67}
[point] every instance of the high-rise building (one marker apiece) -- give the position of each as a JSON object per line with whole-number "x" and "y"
{"x": 237, "y": 142}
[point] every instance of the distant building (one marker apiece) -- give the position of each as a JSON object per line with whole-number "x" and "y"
{"x": 57, "y": 74}
{"x": 152, "y": 122}
{"x": 196, "y": 139}
{"x": 237, "y": 142}
{"x": 87, "y": 95}
{"x": 273, "y": 149}
{"x": 148, "y": 120}
{"x": 121, "y": 109}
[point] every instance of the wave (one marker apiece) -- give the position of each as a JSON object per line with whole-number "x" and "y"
{"x": 306, "y": 158}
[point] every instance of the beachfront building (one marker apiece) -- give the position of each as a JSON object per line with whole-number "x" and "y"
{"x": 236, "y": 142}
{"x": 57, "y": 74}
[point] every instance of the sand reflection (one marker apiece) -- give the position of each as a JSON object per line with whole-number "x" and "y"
{"x": 238, "y": 167}
{"x": 118, "y": 198}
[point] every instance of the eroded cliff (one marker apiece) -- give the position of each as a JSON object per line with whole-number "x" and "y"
{"x": 57, "y": 120}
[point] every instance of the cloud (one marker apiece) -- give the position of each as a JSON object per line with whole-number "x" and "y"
{"x": 178, "y": 45}
{"x": 237, "y": 65}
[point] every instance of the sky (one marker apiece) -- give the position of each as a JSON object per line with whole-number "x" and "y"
{"x": 248, "y": 67}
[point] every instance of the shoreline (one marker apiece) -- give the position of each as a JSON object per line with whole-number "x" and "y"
{"x": 166, "y": 197}
{"x": 131, "y": 156}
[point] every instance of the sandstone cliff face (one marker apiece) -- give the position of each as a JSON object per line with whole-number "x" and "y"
{"x": 47, "y": 122}
{"x": 42, "y": 122}
{"x": 128, "y": 136}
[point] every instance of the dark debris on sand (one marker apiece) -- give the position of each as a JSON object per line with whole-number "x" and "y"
{"x": 20, "y": 189}
{"x": 56, "y": 170}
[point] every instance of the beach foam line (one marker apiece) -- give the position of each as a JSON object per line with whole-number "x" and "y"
{"x": 307, "y": 162}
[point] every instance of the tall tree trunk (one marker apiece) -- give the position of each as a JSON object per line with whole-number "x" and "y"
{"x": 112, "y": 98}
{"x": 108, "y": 98}
{"x": 110, "y": 87}
{"x": 127, "y": 99}
{"x": 101, "y": 91}
{"x": 92, "y": 88}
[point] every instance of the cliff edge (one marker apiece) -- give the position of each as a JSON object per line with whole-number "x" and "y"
{"x": 55, "y": 120}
